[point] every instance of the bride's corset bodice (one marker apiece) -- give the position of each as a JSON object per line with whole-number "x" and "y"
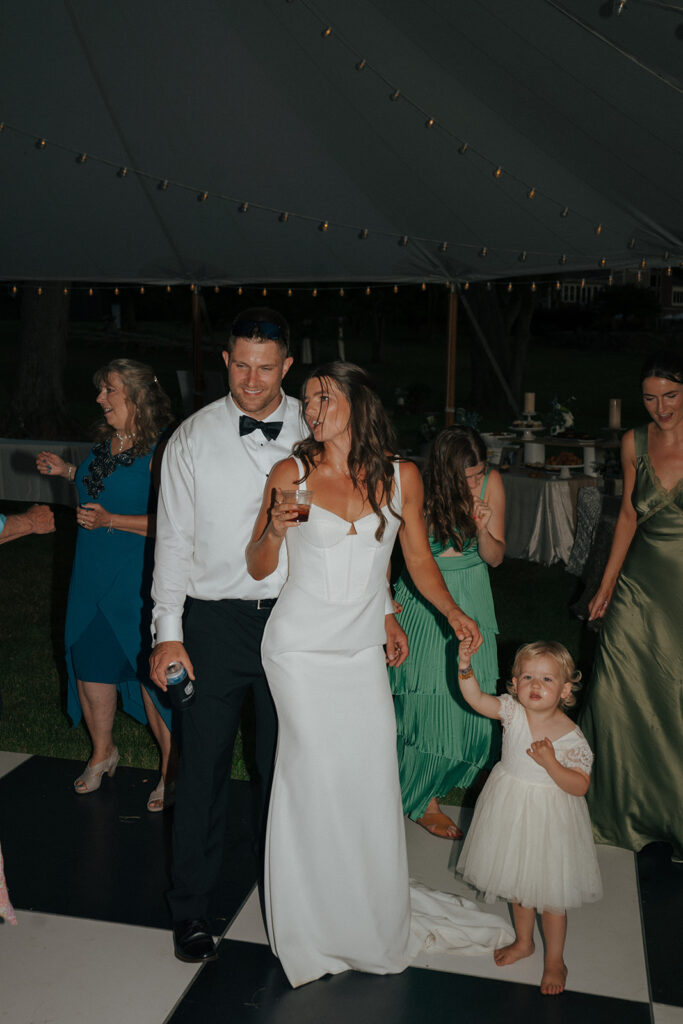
{"x": 332, "y": 564}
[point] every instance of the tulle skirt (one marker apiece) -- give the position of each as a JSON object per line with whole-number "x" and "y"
{"x": 530, "y": 844}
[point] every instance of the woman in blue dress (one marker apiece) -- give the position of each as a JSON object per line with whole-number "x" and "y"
{"x": 107, "y": 635}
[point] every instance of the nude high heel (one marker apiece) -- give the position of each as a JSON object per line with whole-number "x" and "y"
{"x": 91, "y": 779}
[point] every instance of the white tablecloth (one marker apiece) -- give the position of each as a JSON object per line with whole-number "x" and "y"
{"x": 540, "y": 516}
{"x": 21, "y": 481}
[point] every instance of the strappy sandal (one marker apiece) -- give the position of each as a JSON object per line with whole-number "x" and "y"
{"x": 162, "y": 796}
{"x": 91, "y": 779}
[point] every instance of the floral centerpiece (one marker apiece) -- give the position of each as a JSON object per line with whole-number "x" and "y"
{"x": 560, "y": 417}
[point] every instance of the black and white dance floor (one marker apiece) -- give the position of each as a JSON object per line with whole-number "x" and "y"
{"x": 87, "y": 877}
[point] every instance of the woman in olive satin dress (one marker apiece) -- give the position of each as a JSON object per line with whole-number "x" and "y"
{"x": 632, "y": 717}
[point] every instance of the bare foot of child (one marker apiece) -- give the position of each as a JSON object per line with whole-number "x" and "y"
{"x": 515, "y": 951}
{"x": 554, "y": 978}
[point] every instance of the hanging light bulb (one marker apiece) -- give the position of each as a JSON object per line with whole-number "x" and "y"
{"x": 429, "y": 123}
{"x": 216, "y": 289}
{"x": 314, "y": 293}
{"x": 403, "y": 240}
{"x": 323, "y": 226}
{"x": 202, "y": 197}
{"x": 163, "y": 185}
{"x": 326, "y": 32}
{"x": 483, "y": 251}
{"x": 395, "y": 95}
{"x": 362, "y": 63}
{"x": 395, "y": 289}
{"x": 603, "y": 262}
{"x": 639, "y": 277}
{"x": 81, "y": 158}
{"x": 122, "y": 172}
{"x": 367, "y": 290}
{"x": 116, "y": 291}
{"x": 466, "y": 286}
{"x": 564, "y": 212}
{"x": 558, "y": 285}
{"x": 498, "y": 173}
{"x": 66, "y": 291}
{"x": 423, "y": 287}
{"x": 41, "y": 144}
{"x": 14, "y": 289}
{"x": 598, "y": 229}
{"x": 39, "y": 291}
{"x": 509, "y": 286}
{"x": 643, "y": 264}
{"x": 583, "y": 283}
{"x": 193, "y": 288}
{"x": 142, "y": 289}
{"x": 668, "y": 271}
{"x": 531, "y": 193}
{"x": 533, "y": 286}
{"x": 341, "y": 293}
{"x": 168, "y": 289}
{"x": 462, "y": 149}
{"x": 90, "y": 292}
{"x": 284, "y": 217}
{"x": 363, "y": 234}
{"x": 240, "y": 290}
{"x": 443, "y": 247}
{"x": 243, "y": 207}
{"x": 289, "y": 293}
{"x": 264, "y": 292}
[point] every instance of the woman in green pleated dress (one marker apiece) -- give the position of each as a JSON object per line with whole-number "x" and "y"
{"x": 633, "y": 717}
{"x": 441, "y": 742}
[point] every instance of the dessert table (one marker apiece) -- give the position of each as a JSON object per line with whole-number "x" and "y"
{"x": 540, "y": 514}
{"x": 21, "y": 481}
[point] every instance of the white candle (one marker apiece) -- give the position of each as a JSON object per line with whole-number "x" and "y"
{"x": 615, "y": 413}
{"x": 529, "y": 401}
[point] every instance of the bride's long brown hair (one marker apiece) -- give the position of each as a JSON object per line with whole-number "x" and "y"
{"x": 373, "y": 441}
{"x": 448, "y": 500}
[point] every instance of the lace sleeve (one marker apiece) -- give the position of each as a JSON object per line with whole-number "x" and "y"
{"x": 506, "y": 712}
{"x": 579, "y": 756}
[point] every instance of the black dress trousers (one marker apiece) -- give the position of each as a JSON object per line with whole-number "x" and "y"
{"x": 223, "y": 641}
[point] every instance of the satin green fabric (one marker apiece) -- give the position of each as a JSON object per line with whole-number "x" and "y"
{"x": 441, "y": 742}
{"x": 632, "y": 716}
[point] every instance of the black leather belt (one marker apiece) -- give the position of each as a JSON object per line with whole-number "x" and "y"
{"x": 262, "y": 604}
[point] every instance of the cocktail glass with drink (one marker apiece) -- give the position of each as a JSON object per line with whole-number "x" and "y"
{"x": 302, "y": 499}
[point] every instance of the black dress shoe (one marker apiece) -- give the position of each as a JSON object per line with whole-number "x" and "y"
{"x": 192, "y": 941}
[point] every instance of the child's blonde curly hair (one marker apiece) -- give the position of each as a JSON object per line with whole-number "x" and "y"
{"x": 570, "y": 673}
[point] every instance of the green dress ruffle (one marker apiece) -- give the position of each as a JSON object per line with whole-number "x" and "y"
{"x": 633, "y": 716}
{"x": 442, "y": 743}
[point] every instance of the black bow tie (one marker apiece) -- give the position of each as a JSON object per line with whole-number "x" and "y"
{"x": 270, "y": 429}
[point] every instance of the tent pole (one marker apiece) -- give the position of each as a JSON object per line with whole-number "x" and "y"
{"x": 197, "y": 370}
{"x": 450, "y": 359}
{"x": 492, "y": 359}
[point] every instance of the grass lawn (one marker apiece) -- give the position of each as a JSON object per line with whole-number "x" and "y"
{"x": 531, "y": 603}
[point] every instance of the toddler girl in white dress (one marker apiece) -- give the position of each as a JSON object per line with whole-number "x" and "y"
{"x": 530, "y": 841}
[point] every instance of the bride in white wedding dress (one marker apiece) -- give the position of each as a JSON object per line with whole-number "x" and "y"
{"x": 337, "y": 893}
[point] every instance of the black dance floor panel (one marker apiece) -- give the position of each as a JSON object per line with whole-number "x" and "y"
{"x": 247, "y": 984}
{"x": 104, "y": 855}
{"x": 661, "y": 899}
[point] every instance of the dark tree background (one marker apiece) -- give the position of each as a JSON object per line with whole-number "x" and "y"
{"x": 505, "y": 319}
{"x": 37, "y": 407}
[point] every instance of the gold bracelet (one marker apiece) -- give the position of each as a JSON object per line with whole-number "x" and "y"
{"x": 465, "y": 673}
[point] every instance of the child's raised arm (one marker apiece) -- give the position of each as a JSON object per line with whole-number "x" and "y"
{"x": 484, "y": 703}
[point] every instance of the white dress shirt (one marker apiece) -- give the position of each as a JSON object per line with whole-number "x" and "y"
{"x": 212, "y": 483}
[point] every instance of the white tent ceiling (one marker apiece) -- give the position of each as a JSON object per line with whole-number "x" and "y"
{"x": 253, "y": 102}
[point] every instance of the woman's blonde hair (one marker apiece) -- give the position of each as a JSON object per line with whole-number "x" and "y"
{"x": 152, "y": 404}
{"x": 570, "y": 672}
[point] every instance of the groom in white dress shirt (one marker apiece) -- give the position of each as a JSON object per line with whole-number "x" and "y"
{"x": 213, "y": 474}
